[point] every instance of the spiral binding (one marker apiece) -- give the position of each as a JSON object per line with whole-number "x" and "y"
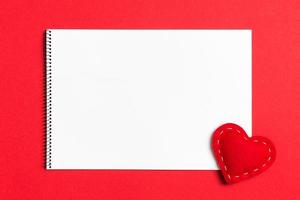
{"x": 48, "y": 99}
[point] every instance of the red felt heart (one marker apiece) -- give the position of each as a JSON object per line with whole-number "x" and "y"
{"x": 238, "y": 156}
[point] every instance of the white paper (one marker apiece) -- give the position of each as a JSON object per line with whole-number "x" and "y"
{"x": 146, "y": 99}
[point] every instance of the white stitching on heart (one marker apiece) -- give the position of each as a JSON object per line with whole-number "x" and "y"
{"x": 245, "y": 173}
{"x": 221, "y": 133}
{"x": 225, "y": 167}
{"x": 269, "y": 156}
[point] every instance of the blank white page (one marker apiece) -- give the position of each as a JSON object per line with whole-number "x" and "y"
{"x": 144, "y": 99}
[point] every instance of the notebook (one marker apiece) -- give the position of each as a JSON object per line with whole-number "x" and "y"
{"x": 143, "y": 99}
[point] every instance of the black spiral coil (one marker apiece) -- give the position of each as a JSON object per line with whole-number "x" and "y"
{"x": 48, "y": 99}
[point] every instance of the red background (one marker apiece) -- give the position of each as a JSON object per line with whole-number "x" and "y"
{"x": 276, "y": 97}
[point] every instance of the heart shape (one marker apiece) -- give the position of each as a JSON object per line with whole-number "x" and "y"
{"x": 239, "y": 156}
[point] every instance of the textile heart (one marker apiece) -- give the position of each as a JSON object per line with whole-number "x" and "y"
{"x": 239, "y": 156}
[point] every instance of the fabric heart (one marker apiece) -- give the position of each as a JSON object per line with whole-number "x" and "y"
{"x": 238, "y": 156}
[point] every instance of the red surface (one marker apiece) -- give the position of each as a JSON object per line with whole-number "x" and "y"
{"x": 276, "y": 97}
{"x": 239, "y": 156}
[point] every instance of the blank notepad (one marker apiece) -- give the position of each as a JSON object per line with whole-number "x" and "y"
{"x": 143, "y": 99}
